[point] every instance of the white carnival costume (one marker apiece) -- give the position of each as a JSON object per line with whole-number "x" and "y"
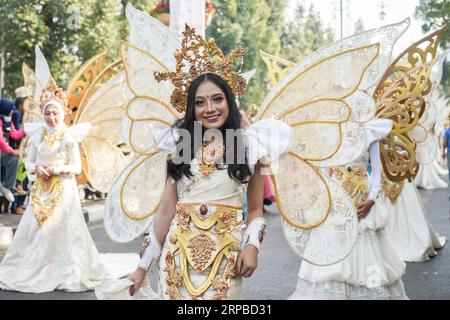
{"x": 372, "y": 269}
{"x": 409, "y": 229}
{"x": 52, "y": 248}
{"x": 428, "y": 176}
{"x": 306, "y": 122}
{"x": 368, "y": 267}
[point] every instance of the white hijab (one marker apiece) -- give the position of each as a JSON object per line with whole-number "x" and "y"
{"x": 60, "y": 125}
{"x": 34, "y": 130}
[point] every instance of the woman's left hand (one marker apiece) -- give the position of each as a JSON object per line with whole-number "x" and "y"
{"x": 247, "y": 261}
{"x": 364, "y": 209}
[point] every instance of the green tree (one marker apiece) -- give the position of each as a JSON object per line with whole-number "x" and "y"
{"x": 69, "y": 32}
{"x": 435, "y": 14}
{"x": 304, "y": 34}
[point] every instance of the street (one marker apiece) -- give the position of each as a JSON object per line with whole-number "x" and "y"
{"x": 276, "y": 275}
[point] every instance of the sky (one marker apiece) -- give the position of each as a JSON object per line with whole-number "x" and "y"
{"x": 369, "y": 12}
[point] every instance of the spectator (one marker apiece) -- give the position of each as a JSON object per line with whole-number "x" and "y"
{"x": 446, "y": 145}
{"x": 17, "y": 112}
{"x": 9, "y": 157}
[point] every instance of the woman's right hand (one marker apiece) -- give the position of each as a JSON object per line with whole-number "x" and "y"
{"x": 137, "y": 277}
{"x": 41, "y": 173}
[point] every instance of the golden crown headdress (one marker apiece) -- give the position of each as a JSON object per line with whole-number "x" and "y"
{"x": 53, "y": 93}
{"x": 196, "y": 57}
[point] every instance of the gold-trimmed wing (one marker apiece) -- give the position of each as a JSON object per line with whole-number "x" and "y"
{"x": 34, "y": 82}
{"x": 81, "y": 82}
{"x": 403, "y": 102}
{"x": 418, "y": 53}
{"x": 316, "y": 108}
{"x": 136, "y": 193}
{"x": 134, "y": 198}
{"x": 148, "y": 109}
{"x": 400, "y": 96}
{"x": 102, "y": 104}
{"x": 326, "y": 111}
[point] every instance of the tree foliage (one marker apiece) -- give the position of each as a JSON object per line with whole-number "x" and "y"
{"x": 435, "y": 14}
{"x": 69, "y": 32}
{"x": 262, "y": 25}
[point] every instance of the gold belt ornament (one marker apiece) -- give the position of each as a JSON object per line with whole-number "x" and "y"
{"x": 201, "y": 249}
{"x": 391, "y": 189}
{"x": 354, "y": 182}
{"x": 45, "y": 196}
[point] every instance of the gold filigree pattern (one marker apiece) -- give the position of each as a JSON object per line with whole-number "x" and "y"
{"x": 51, "y": 139}
{"x": 227, "y": 221}
{"x": 202, "y": 250}
{"x": 184, "y": 214}
{"x": 418, "y": 53}
{"x": 45, "y": 196}
{"x": 202, "y": 247}
{"x": 400, "y": 96}
{"x": 391, "y": 189}
{"x": 81, "y": 82}
{"x": 208, "y": 156}
{"x": 200, "y": 57}
{"x": 54, "y": 92}
{"x": 404, "y": 103}
{"x": 353, "y": 180}
{"x": 222, "y": 284}
{"x": 173, "y": 279}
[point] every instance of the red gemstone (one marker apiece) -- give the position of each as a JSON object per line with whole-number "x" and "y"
{"x": 203, "y": 209}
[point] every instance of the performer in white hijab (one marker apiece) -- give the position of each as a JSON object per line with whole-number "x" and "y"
{"x": 52, "y": 247}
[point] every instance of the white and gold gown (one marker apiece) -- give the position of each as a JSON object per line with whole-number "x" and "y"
{"x": 201, "y": 247}
{"x": 372, "y": 269}
{"x": 322, "y": 106}
{"x": 409, "y": 229}
{"x": 428, "y": 176}
{"x": 52, "y": 248}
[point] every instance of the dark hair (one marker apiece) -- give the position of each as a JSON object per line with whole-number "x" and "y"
{"x": 238, "y": 172}
{"x": 19, "y": 101}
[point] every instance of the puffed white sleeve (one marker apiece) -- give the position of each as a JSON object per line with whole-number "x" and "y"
{"x": 375, "y": 130}
{"x": 266, "y": 140}
{"x": 166, "y": 139}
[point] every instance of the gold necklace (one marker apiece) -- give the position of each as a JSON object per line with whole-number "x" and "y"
{"x": 50, "y": 139}
{"x": 208, "y": 156}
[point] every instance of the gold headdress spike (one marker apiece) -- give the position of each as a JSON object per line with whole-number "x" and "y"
{"x": 197, "y": 57}
{"x": 54, "y": 92}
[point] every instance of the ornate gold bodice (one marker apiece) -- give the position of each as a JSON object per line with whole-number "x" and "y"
{"x": 204, "y": 238}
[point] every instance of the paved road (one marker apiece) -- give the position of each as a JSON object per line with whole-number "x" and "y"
{"x": 278, "y": 266}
